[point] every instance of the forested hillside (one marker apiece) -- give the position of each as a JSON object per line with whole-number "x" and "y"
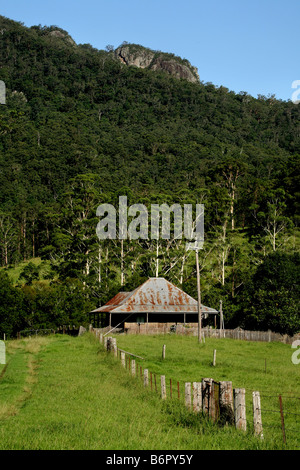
{"x": 79, "y": 128}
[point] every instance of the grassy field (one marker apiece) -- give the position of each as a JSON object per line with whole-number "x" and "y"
{"x": 14, "y": 271}
{"x": 255, "y": 366}
{"x": 65, "y": 393}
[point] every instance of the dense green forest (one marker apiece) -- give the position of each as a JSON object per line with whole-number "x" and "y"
{"x": 80, "y": 129}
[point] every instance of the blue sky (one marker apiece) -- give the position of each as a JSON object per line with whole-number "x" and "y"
{"x": 243, "y": 45}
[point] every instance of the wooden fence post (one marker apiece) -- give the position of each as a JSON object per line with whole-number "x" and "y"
{"x": 188, "y": 395}
{"x": 146, "y": 378}
{"x": 257, "y": 421}
{"x": 197, "y": 397}
{"x": 115, "y": 348}
{"x": 163, "y": 387}
{"x": 133, "y": 368}
{"x": 206, "y": 395}
{"x": 240, "y": 408}
{"x": 214, "y": 411}
{"x": 123, "y": 359}
{"x": 226, "y": 403}
{"x": 215, "y": 357}
{"x": 164, "y": 352}
{"x": 110, "y": 343}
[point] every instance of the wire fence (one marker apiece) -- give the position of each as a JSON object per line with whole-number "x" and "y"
{"x": 64, "y": 329}
{"x": 39, "y": 332}
{"x": 279, "y": 413}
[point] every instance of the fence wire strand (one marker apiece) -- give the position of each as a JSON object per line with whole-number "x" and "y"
{"x": 173, "y": 389}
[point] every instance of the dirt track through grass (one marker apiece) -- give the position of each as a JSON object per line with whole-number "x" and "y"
{"x": 68, "y": 393}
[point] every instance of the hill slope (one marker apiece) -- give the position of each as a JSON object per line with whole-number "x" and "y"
{"x": 80, "y": 128}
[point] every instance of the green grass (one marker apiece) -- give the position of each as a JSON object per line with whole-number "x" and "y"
{"x": 14, "y": 271}
{"x": 255, "y": 366}
{"x": 18, "y": 375}
{"x": 64, "y": 393}
{"x": 251, "y": 365}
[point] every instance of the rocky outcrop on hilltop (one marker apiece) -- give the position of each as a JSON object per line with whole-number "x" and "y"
{"x": 59, "y": 33}
{"x": 142, "y": 57}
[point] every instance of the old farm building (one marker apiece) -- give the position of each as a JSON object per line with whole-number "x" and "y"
{"x": 156, "y": 303}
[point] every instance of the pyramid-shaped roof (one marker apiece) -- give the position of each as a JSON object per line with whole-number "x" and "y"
{"x": 156, "y": 295}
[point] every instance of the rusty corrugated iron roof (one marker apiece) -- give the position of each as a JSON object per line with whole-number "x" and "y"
{"x": 156, "y": 295}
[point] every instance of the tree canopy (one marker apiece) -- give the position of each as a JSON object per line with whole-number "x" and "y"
{"x": 80, "y": 129}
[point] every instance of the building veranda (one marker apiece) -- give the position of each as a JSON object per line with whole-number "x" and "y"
{"x": 155, "y": 303}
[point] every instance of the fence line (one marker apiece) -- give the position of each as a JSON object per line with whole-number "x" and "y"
{"x": 63, "y": 329}
{"x": 249, "y": 335}
{"x": 277, "y": 404}
{"x": 217, "y": 400}
{"x": 191, "y": 329}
